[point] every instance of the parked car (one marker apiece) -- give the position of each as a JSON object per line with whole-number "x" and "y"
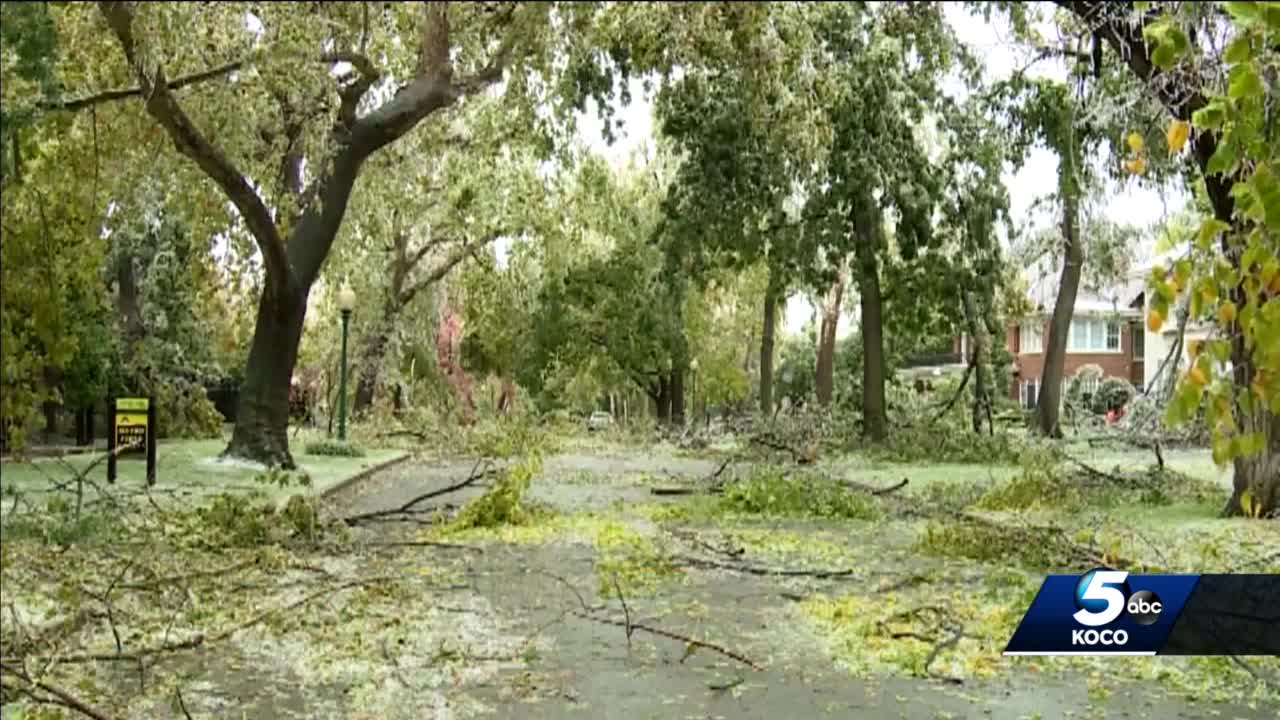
{"x": 599, "y": 420}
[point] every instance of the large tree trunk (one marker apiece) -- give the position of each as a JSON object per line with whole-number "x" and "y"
{"x": 981, "y": 363}
{"x": 371, "y": 357}
{"x": 766, "y": 344}
{"x": 866, "y": 230}
{"x": 1055, "y": 348}
{"x": 262, "y": 423}
{"x": 827, "y": 340}
{"x": 662, "y": 399}
{"x": 677, "y": 396}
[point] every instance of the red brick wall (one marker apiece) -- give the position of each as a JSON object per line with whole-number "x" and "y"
{"x": 1114, "y": 364}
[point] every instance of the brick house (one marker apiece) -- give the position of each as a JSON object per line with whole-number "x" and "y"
{"x": 1107, "y": 330}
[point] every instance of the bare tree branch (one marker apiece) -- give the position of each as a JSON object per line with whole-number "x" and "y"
{"x": 81, "y": 103}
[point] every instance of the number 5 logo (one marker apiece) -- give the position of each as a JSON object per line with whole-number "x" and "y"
{"x": 1098, "y": 589}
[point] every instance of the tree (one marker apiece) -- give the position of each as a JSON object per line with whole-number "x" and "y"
{"x": 1230, "y": 275}
{"x": 316, "y": 169}
{"x": 881, "y": 68}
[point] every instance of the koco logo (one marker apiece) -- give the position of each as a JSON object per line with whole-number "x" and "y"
{"x": 1102, "y": 597}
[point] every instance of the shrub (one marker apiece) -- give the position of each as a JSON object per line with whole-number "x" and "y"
{"x": 1113, "y": 394}
{"x": 334, "y": 448}
{"x": 771, "y": 491}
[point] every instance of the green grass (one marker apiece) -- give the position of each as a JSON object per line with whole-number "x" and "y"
{"x": 186, "y": 464}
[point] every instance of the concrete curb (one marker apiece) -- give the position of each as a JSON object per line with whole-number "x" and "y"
{"x": 363, "y": 475}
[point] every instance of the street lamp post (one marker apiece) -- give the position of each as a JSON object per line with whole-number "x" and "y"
{"x": 693, "y": 365}
{"x": 346, "y": 304}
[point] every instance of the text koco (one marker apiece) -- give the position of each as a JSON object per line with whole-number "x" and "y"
{"x": 1094, "y": 637}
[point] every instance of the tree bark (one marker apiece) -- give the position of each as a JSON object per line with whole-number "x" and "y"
{"x": 262, "y": 422}
{"x": 866, "y": 230}
{"x": 371, "y": 357}
{"x": 677, "y": 396}
{"x": 662, "y": 399}
{"x": 127, "y": 296}
{"x": 827, "y": 340}
{"x": 980, "y": 362}
{"x": 766, "y": 343}
{"x": 1055, "y": 350}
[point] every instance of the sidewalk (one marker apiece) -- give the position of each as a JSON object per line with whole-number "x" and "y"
{"x": 193, "y": 468}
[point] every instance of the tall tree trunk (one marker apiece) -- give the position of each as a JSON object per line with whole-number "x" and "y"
{"x": 766, "y": 344}
{"x": 866, "y": 230}
{"x": 262, "y": 422}
{"x": 662, "y": 400}
{"x": 981, "y": 362}
{"x": 127, "y": 296}
{"x": 371, "y": 357}
{"x": 1055, "y": 349}
{"x": 827, "y": 340}
{"x": 677, "y": 396}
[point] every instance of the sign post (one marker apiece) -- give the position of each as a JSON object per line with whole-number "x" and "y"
{"x": 133, "y": 432}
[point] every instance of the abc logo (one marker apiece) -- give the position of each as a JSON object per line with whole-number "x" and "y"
{"x": 1102, "y": 597}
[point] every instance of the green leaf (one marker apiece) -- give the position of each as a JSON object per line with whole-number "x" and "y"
{"x": 1224, "y": 158}
{"x": 1244, "y": 81}
{"x": 1209, "y": 230}
{"x": 1239, "y": 50}
{"x": 1211, "y": 116}
{"x": 1267, "y": 189}
{"x": 1243, "y": 12}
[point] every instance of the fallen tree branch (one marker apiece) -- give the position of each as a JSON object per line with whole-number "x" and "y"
{"x": 875, "y": 490}
{"x": 407, "y": 507}
{"x": 201, "y": 639}
{"x": 57, "y": 696}
{"x": 688, "y": 641}
{"x": 764, "y": 571}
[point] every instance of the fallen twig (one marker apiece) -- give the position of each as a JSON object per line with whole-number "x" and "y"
{"x": 688, "y": 641}
{"x": 58, "y": 696}
{"x": 407, "y": 508}
{"x": 875, "y": 490}
{"x": 764, "y": 571}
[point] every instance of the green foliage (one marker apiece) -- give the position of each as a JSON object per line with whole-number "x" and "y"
{"x": 60, "y": 524}
{"x": 629, "y": 561}
{"x": 502, "y": 503}
{"x": 772, "y": 491}
{"x": 234, "y": 520}
{"x": 1114, "y": 393}
{"x": 334, "y": 448}
{"x": 1039, "y": 484}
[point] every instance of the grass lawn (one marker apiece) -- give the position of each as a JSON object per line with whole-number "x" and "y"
{"x": 191, "y": 465}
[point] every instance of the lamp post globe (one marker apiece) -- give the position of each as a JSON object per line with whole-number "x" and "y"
{"x": 346, "y": 304}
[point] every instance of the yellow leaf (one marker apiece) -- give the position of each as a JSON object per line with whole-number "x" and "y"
{"x": 1246, "y": 502}
{"x": 1136, "y": 142}
{"x": 1177, "y": 134}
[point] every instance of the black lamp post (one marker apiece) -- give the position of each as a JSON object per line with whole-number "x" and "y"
{"x": 346, "y": 304}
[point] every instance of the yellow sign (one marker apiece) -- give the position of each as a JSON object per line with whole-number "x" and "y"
{"x": 131, "y": 423}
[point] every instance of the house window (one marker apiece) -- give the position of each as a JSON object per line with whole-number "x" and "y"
{"x": 1030, "y": 392}
{"x": 1093, "y": 335}
{"x": 1030, "y": 339}
{"x": 1139, "y": 341}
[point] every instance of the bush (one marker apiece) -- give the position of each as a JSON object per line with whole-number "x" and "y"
{"x": 771, "y": 491}
{"x": 1086, "y": 376}
{"x": 1113, "y": 394}
{"x": 334, "y": 448}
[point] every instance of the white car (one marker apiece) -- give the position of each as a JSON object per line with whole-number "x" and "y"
{"x": 599, "y": 420}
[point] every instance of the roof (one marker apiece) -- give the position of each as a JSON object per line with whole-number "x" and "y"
{"x": 1119, "y": 298}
